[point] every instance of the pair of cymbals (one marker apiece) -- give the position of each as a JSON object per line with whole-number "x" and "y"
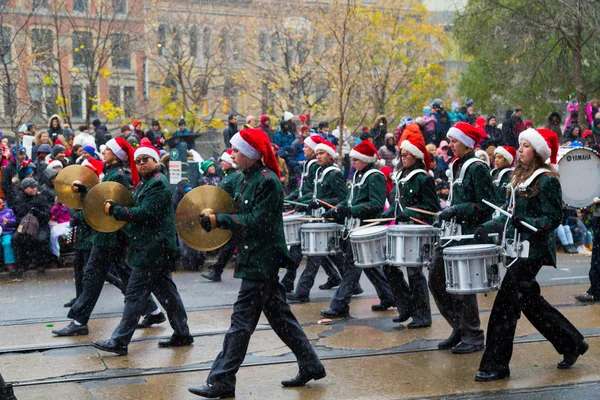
{"x": 64, "y": 181}
{"x": 93, "y": 206}
{"x": 203, "y": 200}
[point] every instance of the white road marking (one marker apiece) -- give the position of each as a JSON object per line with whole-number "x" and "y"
{"x": 569, "y": 277}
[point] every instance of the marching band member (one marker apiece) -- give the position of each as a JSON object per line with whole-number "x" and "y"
{"x": 471, "y": 183}
{"x": 107, "y": 248}
{"x": 365, "y": 200}
{"x": 537, "y": 201}
{"x": 414, "y": 187}
{"x": 231, "y": 184}
{"x": 258, "y": 227}
{"x": 504, "y": 159}
{"x": 330, "y": 187}
{"x": 152, "y": 253}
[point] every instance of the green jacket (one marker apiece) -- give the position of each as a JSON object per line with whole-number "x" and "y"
{"x": 151, "y": 224}
{"x": 83, "y": 232}
{"x": 309, "y": 171}
{"x": 258, "y": 226}
{"x": 113, "y": 173}
{"x": 418, "y": 192}
{"x": 500, "y": 186}
{"x": 468, "y": 196}
{"x": 539, "y": 206}
{"x": 366, "y": 201}
{"x": 231, "y": 182}
{"x": 330, "y": 188}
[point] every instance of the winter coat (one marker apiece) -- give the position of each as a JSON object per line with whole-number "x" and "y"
{"x": 83, "y": 232}
{"x": 378, "y": 135}
{"x": 232, "y": 181}
{"x": 368, "y": 200}
{"x": 258, "y": 226}
{"x": 590, "y": 112}
{"x": 283, "y": 171}
{"x": 348, "y": 140}
{"x": 571, "y": 107}
{"x": 307, "y": 180}
{"x": 35, "y": 204}
{"x": 54, "y": 132}
{"x": 500, "y": 185}
{"x": 151, "y": 224}
{"x": 284, "y": 139}
{"x": 102, "y": 136}
{"x": 429, "y": 123}
{"x": 494, "y": 136}
{"x": 84, "y": 139}
{"x": 60, "y": 213}
{"x": 418, "y": 192}
{"x": 388, "y": 155}
{"x": 9, "y": 227}
{"x": 210, "y": 180}
{"x": 228, "y": 134}
{"x": 8, "y": 173}
{"x": 554, "y": 127}
{"x": 442, "y": 126}
{"x": 331, "y": 187}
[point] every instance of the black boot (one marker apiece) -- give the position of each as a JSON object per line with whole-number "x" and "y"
{"x": 111, "y": 347}
{"x": 72, "y": 330}
{"x": 69, "y": 304}
{"x": 330, "y": 284}
{"x": 150, "y": 320}
{"x": 177, "y": 341}
{"x": 329, "y": 313}
{"x": 294, "y": 298}
{"x": 571, "y": 358}
{"x": 303, "y": 377}
{"x": 211, "y": 276}
{"x": 212, "y": 392}
{"x": 452, "y": 341}
{"x": 483, "y": 376}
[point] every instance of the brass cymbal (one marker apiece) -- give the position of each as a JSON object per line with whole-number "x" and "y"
{"x": 64, "y": 181}
{"x": 93, "y": 206}
{"x": 203, "y": 200}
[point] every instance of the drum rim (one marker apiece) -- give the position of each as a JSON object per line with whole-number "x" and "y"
{"x": 321, "y": 226}
{"x": 293, "y": 217}
{"x": 471, "y": 247}
{"x": 420, "y": 228}
{"x": 365, "y": 232}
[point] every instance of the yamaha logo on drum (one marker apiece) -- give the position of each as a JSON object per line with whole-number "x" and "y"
{"x": 579, "y": 157}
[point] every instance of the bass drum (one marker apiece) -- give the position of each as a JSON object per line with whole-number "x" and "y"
{"x": 579, "y": 169}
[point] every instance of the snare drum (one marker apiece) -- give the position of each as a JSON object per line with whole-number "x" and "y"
{"x": 291, "y": 228}
{"x": 450, "y": 228}
{"x": 472, "y": 269}
{"x": 317, "y": 212}
{"x": 410, "y": 245}
{"x": 351, "y": 223}
{"x": 320, "y": 239}
{"x": 368, "y": 246}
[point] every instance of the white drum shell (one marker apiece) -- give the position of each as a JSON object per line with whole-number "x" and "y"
{"x": 410, "y": 245}
{"x": 579, "y": 169}
{"x": 472, "y": 269}
{"x": 291, "y": 228}
{"x": 368, "y": 246}
{"x": 320, "y": 239}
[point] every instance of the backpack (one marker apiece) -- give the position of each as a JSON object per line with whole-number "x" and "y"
{"x": 29, "y": 225}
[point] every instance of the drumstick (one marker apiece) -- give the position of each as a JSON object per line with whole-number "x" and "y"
{"x": 295, "y": 203}
{"x": 380, "y": 220}
{"x": 327, "y": 204}
{"x": 420, "y": 211}
{"x": 418, "y": 221}
{"x": 364, "y": 226}
{"x": 509, "y": 215}
{"x": 314, "y": 219}
{"x": 464, "y": 237}
{"x": 288, "y": 212}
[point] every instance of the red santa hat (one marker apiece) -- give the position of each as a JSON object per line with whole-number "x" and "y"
{"x": 508, "y": 152}
{"x": 255, "y": 144}
{"x": 226, "y": 156}
{"x": 365, "y": 151}
{"x": 327, "y": 147}
{"x": 468, "y": 135}
{"x": 96, "y": 166}
{"x": 544, "y": 142}
{"x": 124, "y": 152}
{"x": 416, "y": 147}
{"x": 313, "y": 140}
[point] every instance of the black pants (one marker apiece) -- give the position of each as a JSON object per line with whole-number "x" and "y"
{"x": 521, "y": 292}
{"x": 307, "y": 279}
{"x": 350, "y": 282}
{"x": 142, "y": 283}
{"x": 224, "y": 256}
{"x": 254, "y": 298}
{"x": 461, "y": 311}
{"x": 80, "y": 259}
{"x": 594, "y": 289}
{"x": 29, "y": 249}
{"x": 290, "y": 275}
{"x": 411, "y": 298}
{"x": 95, "y": 273}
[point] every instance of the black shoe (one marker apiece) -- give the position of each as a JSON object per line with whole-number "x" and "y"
{"x": 586, "y": 298}
{"x": 289, "y": 289}
{"x": 483, "y": 376}
{"x": 211, "y": 276}
{"x": 212, "y": 392}
{"x": 302, "y": 378}
{"x": 417, "y": 325}
{"x": 150, "y": 320}
{"x": 111, "y": 347}
{"x": 176, "y": 341}
{"x": 571, "y": 358}
{"x": 464, "y": 348}
{"x": 72, "y": 330}
{"x": 571, "y": 249}
{"x": 69, "y": 304}
{"x": 359, "y": 290}
{"x": 400, "y": 318}
{"x": 449, "y": 343}
{"x": 330, "y": 284}
{"x": 329, "y": 313}
{"x": 383, "y": 307}
{"x": 294, "y": 298}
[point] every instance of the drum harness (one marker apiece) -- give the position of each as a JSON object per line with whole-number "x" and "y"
{"x": 305, "y": 173}
{"x": 320, "y": 180}
{"x": 402, "y": 182}
{"x": 349, "y": 220}
{"x": 497, "y": 181}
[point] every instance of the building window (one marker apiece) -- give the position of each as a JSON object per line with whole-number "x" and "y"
{"x": 82, "y": 47}
{"x": 42, "y": 46}
{"x": 193, "y": 42}
{"x": 5, "y": 50}
{"x": 119, "y": 6}
{"x": 206, "y": 42}
{"x": 129, "y": 97}
{"x": 162, "y": 40}
{"x": 145, "y": 69}
{"x": 224, "y": 44}
{"x": 76, "y": 102}
{"x": 40, "y": 4}
{"x": 114, "y": 95}
{"x": 92, "y": 95}
{"x": 121, "y": 57}
{"x": 230, "y": 94}
{"x": 35, "y": 99}
{"x": 175, "y": 44}
{"x": 80, "y": 5}
{"x": 274, "y": 49}
{"x": 262, "y": 46}
{"x": 51, "y": 97}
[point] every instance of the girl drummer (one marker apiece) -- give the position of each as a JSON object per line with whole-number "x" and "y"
{"x": 414, "y": 188}
{"x": 537, "y": 202}
{"x": 504, "y": 159}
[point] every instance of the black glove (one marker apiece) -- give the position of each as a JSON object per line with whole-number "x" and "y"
{"x": 402, "y": 218}
{"x": 481, "y": 234}
{"x": 448, "y": 213}
{"x": 516, "y": 222}
{"x": 111, "y": 208}
{"x": 205, "y": 222}
{"x": 331, "y": 213}
{"x": 344, "y": 211}
{"x": 313, "y": 205}
{"x": 300, "y": 208}
{"x": 81, "y": 188}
